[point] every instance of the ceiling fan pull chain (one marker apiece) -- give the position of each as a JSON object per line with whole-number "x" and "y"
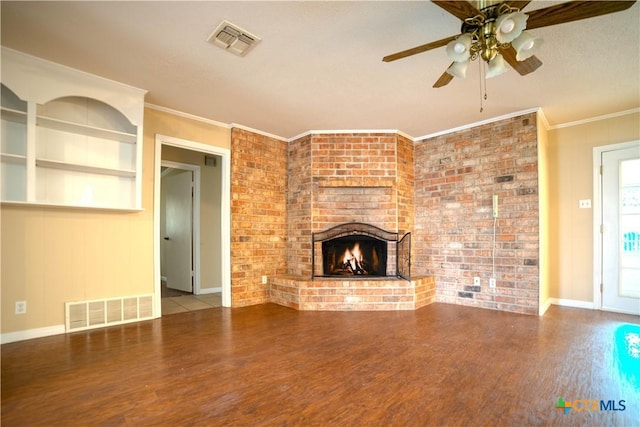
{"x": 482, "y": 80}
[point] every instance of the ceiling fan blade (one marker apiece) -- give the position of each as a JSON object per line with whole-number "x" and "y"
{"x": 523, "y": 68}
{"x": 460, "y": 9}
{"x": 574, "y": 11}
{"x": 418, "y": 49}
{"x": 444, "y": 80}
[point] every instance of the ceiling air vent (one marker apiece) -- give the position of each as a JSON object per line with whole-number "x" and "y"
{"x": 233, "y": 38}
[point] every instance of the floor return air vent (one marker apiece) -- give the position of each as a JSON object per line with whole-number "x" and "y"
{"x": 92, "y": 314}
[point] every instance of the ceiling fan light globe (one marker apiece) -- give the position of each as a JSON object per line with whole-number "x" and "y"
{"x": 526, "y": 46}
{"x": 458, "y": 49}
{"x": 509, "y": 26}
{"x": 497, "y": 66}
{"x": 459, "y": 69}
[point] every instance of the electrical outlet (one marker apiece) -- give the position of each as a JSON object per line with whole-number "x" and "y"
{"x": 492, "y": 282}
{"x": 264, "y": 280}
{"x": 584, "y": 204}
{"x": 476, "y": 281}
{"x": 21, "y": 307}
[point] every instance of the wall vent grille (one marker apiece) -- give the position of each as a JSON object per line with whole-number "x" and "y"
{"x": 233, "y": 38}
{"x": 92, "y": 314}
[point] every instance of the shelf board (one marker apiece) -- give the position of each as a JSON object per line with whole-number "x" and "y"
{"x": 15, "y": 159}
{"x": 66, "y": 126}
{"x": 12, "y": 115}
{"x": 17, "y": 203}
{"x": 55, "y": 164}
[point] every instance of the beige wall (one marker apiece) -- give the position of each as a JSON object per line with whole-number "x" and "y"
{"x": 543, "y": 201}
{"x": 571, "y": 179}
{"x": 54, "y": 255}
{"x": 164, "y": 123}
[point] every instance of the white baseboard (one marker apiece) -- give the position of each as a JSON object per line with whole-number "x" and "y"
{"x": 210, "y": 290}
{"x": 544, "y": 307}
{"x": 31, "y": 333}
{"x": 571, "y": 303}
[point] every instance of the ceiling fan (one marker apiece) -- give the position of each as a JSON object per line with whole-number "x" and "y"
{"x": 495, "y": 33}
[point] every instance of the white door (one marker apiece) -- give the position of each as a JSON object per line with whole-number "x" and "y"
{"x": 621, "y": 230}
{"x": 177, "y": 243}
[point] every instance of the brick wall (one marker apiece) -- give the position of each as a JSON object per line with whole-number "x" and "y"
{"x": 258, "y": 214}
{"x": 456, "y": 176}
{"x": 299, "y": 203}
{"x": 438, "y": 189}
{"x": 405, "y": 185}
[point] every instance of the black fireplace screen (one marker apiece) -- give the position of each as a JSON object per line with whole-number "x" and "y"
{"x": 360, "y": 250}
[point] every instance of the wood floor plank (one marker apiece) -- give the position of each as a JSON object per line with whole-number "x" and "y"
{"x": 270, "y": 365}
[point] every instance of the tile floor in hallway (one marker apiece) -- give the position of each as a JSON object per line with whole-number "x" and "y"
{"x": 189, "y": 302}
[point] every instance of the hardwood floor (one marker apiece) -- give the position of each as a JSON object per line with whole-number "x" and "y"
{"x": 269, "y": 365}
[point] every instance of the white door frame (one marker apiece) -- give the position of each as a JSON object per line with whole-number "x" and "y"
{"x": 597, "y": 216}
{"x": 195, "y": 218}
{"x": 225, "y": 207}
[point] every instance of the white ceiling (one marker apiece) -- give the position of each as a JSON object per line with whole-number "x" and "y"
{"x": 319, "y": 64}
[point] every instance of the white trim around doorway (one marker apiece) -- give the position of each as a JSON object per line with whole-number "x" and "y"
{"x": 225, "y": 207}
{"x": 597, "y": 216}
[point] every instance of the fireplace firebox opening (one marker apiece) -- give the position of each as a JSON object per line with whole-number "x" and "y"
{"x": 354, "y": 256}
{"x": 358, "y": 250}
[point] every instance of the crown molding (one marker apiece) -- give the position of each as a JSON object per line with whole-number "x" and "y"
{"x": 480, "y": 123}
{"x": 186, "y": 115}
{"x": 259, "y": 132}
{"x": 349, "y": 131}
{"x": 543, "y": 119}
{"x": 594, "y": 119}
{"x": 538, "y": 110}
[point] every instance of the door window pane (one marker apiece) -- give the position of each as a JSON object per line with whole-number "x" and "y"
{"x": 629, "y": 228}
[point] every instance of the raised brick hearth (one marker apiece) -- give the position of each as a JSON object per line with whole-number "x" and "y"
{"x": 358, "y": 294}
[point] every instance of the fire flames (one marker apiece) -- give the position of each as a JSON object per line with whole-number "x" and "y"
{"x": 353, "y": 260}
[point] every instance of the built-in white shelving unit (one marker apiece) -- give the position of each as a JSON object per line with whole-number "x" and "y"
{"x": 68, "y": 138}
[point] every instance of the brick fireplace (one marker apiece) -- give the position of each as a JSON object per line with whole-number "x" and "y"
{"x": 335, "y": 180}
{"x": 438, "y": 189}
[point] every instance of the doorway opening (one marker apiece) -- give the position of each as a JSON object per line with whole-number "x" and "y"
{"x": 191, "y": 226}
{"x": 181, "y": 226}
